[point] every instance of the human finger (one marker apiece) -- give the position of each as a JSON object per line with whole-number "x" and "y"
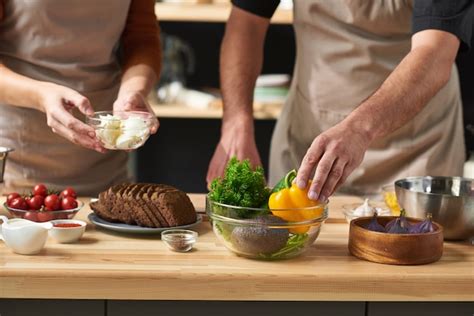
{"x": 308, "y": 164}
{"x": 76, "y": 138}
{"x": 323, "y": 168}
{"x": 336, "y": 173}
{"x": 79, "y": 101}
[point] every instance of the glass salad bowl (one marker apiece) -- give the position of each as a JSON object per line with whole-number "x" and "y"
{"x": 121, "y": 130}
{"x": 259, "y": 233}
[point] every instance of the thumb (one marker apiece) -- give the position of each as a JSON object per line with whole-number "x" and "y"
{"x": 82, "y": 103}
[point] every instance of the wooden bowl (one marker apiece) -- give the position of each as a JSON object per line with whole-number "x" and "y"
{"x": 401, "y": 249}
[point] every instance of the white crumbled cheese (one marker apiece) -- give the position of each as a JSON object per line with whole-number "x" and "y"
{"x": 124, "y": 134}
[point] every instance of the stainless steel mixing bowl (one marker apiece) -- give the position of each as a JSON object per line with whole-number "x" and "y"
{"x": 449, "y": 199}
{"x": 3, "y": 159}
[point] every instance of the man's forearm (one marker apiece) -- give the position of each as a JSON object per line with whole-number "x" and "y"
{"x": 240, "y": 64}
{"x": 420, "y": 75}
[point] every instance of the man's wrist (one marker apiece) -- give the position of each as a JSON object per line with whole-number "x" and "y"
{"x": 362, "y": 127}
{"x": 241, "y": 123}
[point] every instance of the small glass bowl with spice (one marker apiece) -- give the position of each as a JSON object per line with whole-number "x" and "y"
{"x": 179, "y": 240}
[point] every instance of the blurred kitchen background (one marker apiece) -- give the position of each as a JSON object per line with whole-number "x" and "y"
{"x": 187, "y": 99}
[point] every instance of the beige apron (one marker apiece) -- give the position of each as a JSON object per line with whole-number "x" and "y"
{"x": 72, "y": 43}
{"x": 345, "y": 50}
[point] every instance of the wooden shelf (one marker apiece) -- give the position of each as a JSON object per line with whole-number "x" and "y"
{"x": 173, "y": 12}
{"x": 264, "y": 112}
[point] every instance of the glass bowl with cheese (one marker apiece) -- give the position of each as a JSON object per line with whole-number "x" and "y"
{"x": 121, "y": 130}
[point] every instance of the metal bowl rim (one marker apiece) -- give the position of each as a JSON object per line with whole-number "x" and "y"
{"x": 398, "y": 185}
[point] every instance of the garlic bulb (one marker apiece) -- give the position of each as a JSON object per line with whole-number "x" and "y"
{"x": 364, "y": 210}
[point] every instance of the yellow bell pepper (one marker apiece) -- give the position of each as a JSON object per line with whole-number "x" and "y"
{"x": 291, "y": 200}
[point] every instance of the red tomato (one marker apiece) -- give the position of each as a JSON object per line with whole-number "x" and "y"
{"x": 11, "y": 197}
{"x": 52, "y": 202}
{"x": 35, "y": 202}
{"x": 45, "y": 216}
{"x": 68, "y": 203}
{"x": 31, "y": 216}
{"x": 40, "y": 189}
{"x": 19, "y": 203}
{"x": 68, "y": 192}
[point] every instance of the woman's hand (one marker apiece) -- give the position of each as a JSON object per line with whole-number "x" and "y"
{"x": 135, "y": 101}
{"x": 333, "y": 156}
{"x": 58, "y": 102}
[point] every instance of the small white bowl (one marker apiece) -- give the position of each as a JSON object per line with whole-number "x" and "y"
{"x": 66, "y": 235}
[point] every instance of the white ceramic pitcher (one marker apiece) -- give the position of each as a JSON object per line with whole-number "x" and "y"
{"x": 24, "y": 237}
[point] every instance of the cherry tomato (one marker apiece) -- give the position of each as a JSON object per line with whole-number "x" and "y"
{"x": 40, "y": 189}
{"x": 52, "y": 202}
{"x": 68, "y": 203}
{"x": 11, "y": 197}
{"x": 35, "y": 202}
{"x": 31, "y": 216}
{"x": 68, "y": 192}
{"x": 19, "y": 203}
{"x": 45, "y": 216}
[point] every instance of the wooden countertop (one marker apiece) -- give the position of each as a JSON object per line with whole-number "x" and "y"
{"x": 106, "y": 265}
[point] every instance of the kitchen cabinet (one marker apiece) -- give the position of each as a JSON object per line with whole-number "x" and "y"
{"x": 420, "y": 309}
{"x": 228, "y": 308}
{"x": 36, "y": 307}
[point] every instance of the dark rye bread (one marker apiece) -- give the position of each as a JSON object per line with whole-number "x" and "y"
{"x": 145, "y": 207}
{"x": 110, "y": 200}
{"x": 136, "y": 206}
{"x": 101, "y": 210}
{"x": 145, "y": 204}
{"x": 153, "y": 197}
{"x": 117, "y": 206}
{"x": 176, "y": 208}
{"x": 122, "y": 205}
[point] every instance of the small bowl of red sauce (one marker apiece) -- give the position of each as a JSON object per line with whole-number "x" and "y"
{"x": 66, "y": 231}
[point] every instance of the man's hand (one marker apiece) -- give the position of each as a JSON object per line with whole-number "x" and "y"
{"x": 238, "y": 141}
{"x": 134, "y": 101}
{"x": 333, "y": 155}
{"x": 240, "y": 64}
{"x": 58, "y": 102}
{"x": 419, "y": 76}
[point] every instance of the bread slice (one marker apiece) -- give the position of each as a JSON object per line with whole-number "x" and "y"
{"x": 176, "y": 207}
{"x": 110, "y": 200}
{"x": 148, "y": 207}
{"x": 140, "y": 215}
{"x": 101, "y": 211}
{"x": 122, "y": 206}
{"x": 158, "y": 190}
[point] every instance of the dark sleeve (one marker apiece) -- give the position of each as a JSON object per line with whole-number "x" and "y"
{"x": 263, "y": 8}
{"x": 453, "y": 16}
